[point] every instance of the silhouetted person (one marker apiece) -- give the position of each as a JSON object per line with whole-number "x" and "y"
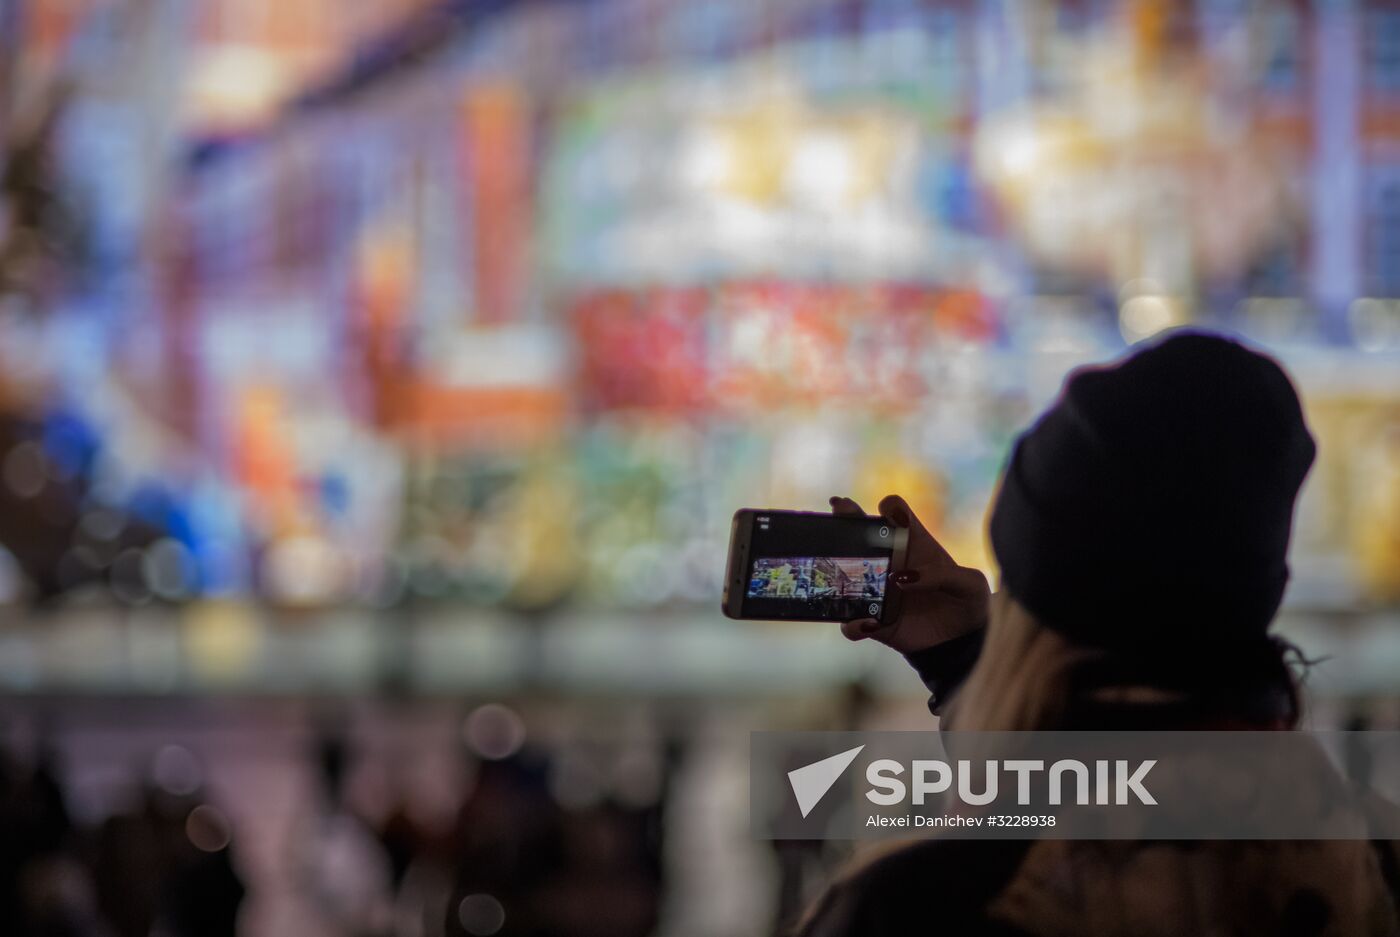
{"x": 1141, "y": 530}
{"x": 343, "y": 867}
{"x": 166, "y": 867}
{"x": 44, "y": 890}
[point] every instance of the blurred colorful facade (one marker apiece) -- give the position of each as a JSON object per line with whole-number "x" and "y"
{"x": 514, "y": 303}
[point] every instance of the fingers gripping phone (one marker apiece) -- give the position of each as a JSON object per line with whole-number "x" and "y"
{"x": 806, "y": 566}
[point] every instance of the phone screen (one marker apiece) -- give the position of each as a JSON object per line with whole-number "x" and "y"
{"x": 817, "y": 566}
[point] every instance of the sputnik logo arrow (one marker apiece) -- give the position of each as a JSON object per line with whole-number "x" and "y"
{"x": 811, "y": 782}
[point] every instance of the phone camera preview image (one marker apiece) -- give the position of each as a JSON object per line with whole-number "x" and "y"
{"x": 829, "y": 587}
{"x": 798, "y": 566}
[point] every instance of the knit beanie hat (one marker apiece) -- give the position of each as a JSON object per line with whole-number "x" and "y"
{"x": 1155, "y": 498}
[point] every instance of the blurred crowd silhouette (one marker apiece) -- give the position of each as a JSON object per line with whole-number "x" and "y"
{"x": 163, "y": 866}
{"x": 518, "y": 859}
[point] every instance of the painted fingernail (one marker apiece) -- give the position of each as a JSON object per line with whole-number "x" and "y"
{"x": 906, "y": 577}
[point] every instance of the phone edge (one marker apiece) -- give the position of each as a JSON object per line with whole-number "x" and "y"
{"x": 899, "y": 558}
{"x": 736, "y": 565}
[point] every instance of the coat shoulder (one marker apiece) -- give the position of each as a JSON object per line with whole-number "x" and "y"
{"x": 933, "y": 886}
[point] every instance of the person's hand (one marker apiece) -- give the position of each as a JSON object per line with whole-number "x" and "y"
{"x": 938, "y": 599}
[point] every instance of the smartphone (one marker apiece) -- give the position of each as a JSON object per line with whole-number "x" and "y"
{"x": 806, "y": 566}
